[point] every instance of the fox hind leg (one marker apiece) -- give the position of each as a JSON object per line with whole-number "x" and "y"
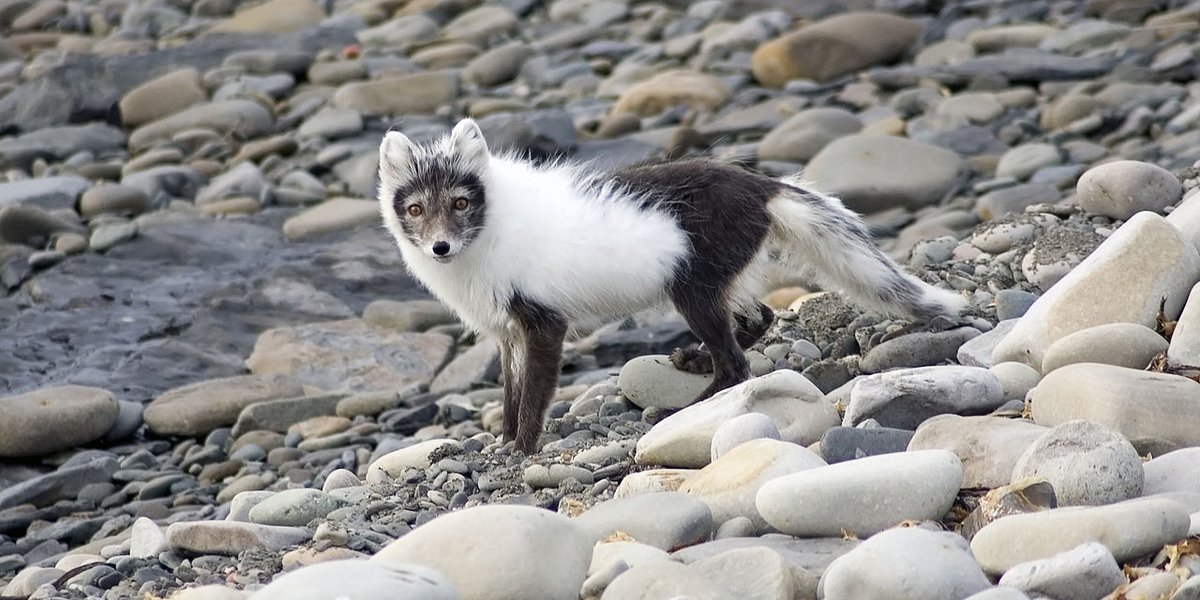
{"x": 543, "y": 332}
{"x": 749, "y": 329}
{"x": 711, "y": 321}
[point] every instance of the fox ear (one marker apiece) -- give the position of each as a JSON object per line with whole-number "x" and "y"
{"x": 469, "y": 145}
{"x": 395, "y": 157}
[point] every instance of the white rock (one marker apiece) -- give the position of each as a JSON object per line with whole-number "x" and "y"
{"x": 1120, "y": 344}
{"x": 729, "y": 484}
{"x": 904, "y": 398}
{"x": 653, "y": 480}
{"x": 1156, "y": 412}
{"x": 988, "y": 446}
{"x": 1086, "y": 572}
{"x": 750, "y": 573}
{"x": 499, "y": 552}
{"x": 210, "y": 592}
{"x": 1177, "y": 471}
{"x": 1118, "y": 189}
{"x": 665, "y": 520}
{"x": 684, "y": 439}
{"x": 146, "y": 539}
{"x": 360, "y": 580}
{"x": 862, "y": 496}
{"x": 740, "y": 429}
{"x": 393, "y": 464}
{"x": 1002, "y": 592}
{"x": 662, "y": 581}
{"x": 1087, "y": 463}
{"x": 907, "y": 563}
{"x": 1103, "y": 288}
{"x": 977, "y": 351}
{"x": 631, "y": 553}
{"x": 1184, "y": 349}
{"x": 653, "y": 381}
{"x": 1128, "y": 529}
{"x": 1016, "y": 379}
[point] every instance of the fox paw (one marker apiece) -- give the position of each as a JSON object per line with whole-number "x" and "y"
{"x": 692, "y": 360}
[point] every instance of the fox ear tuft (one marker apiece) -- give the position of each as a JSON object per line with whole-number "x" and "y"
{"x": 395, "y": 158}
{"x": 469, "y": 145}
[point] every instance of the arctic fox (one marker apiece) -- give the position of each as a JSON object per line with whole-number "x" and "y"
{"x": 524, "y": 252}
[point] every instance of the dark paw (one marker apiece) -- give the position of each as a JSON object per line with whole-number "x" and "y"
{"x": 692, "y": 360}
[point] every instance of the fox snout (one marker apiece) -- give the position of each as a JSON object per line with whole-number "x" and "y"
{"x": 442, "y": 250}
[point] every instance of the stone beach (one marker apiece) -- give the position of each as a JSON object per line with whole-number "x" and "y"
{"x": 217, "y": 381}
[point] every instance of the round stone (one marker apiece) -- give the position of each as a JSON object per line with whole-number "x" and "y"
{"x": 1121, "y": 188}
{"x": 1086, "y": 462}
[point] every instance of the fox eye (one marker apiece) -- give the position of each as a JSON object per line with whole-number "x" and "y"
{"x": 415, "y": 210}
{"x": 461, "y": 203}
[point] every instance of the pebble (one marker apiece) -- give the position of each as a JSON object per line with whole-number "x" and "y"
{"x": 293, "y": 507}
{"x": 684, "y": 439}
{"x": 1087, "y": 571}
{"x": 1119, "y": 344}
{"x": 862, "y": 496}
{"x": 273, "y": 16}
{"x": 1156, "y": 412}
{"x": 499, "y": 552}
{"x": 147, "y": 539}
{"x": 742, "y": 429}
{"x": 977, "y": 352}
{"x": 729, "y": 484}
{"x": 699, "y": 91}
{"x": 417, "y": 456}
{"x": 348, "y": 356}
{"x": 359, "y": 579}
{"x": 200, "y": 407}
{"x": 161, "y": 97}
{"x": 906, "y": 397}
{"x": 30, "y": 225}
{"x": 917, "y": 349}
{"x": 541, "y": 476}
{"x": 231, "y": 538}
{"x": 873, "y": 173}
{"x": 497, "y": 65}
{"x": 840, "y": 444}
{"x": 108, "y": 236}
{"x": 53, "y": 419}
{"x": 653, "y": 480}
{"x": 907, "y": 563}
{"x": 418, "y": 93}
{"x": 1087, "y": 463}
{"x": 244, "y": 118}
{"x": 282, "y": 414}
{"x": 1145, "y": 244}
{"x": 333, "y": 215}
{"x": 665, "y": 580}
{"x": 331, "y": 124}
{"x": 989, "y": 447}
{"x": 1128, "y": 529}
{"x": 1177, "y": 471}
{"x": 1016, "y": 379}
{"x": 664, "y": 520}
{"x": 750, "y": 573}
{"x": 833, "y": 47}
{"x": 1021, "y": 162}
{"x": 113, "y": 199}
{"x": 652, "y": 381}
{"x": 1121, "y": 188}
{"x": 1184, "y": 348}
{"x": 805, "y": 133}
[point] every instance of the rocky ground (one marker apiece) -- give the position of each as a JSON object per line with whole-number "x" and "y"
{"x": 216, "y": 381}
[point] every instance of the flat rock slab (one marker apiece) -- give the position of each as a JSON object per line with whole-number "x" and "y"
{"x": 349, "y": 356}
{"x": 1156, "y": 412}
{"x": 665, "y": 520}
{"x": 201, "y": 407}
{"x": 905, "y": 398}
{"x": 230, "y": 538}
{"x": 1129, "y": 530}
{"x": 53, "y": 419}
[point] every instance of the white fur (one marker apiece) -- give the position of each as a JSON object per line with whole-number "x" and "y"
{"x": 835, "y": 260}
{"x": 589, "y": 254}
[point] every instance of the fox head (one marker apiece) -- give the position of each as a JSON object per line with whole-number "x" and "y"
{"x": 433, "y": 196}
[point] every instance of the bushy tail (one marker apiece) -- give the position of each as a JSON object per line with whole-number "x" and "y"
{"x": 831, "y": 245}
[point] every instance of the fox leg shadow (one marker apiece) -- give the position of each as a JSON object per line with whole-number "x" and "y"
{"x": 748, "y": 330}
{"x": 531, "y": 358}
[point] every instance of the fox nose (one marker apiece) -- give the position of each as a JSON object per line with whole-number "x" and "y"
{"x": 441, "y": 248}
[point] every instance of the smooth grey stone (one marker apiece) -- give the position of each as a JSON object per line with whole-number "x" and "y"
{"x": 1082, "y": 573}
{"x": 664, "y": 520}
{"x": 61, "y": 484}
{"x": 905, "y": 398}
{"x": 359, "y": 579}
{"x": 48, "y": 193}
{"x": 840, "y": 444}
{"x": 917, "y": 349}
{"x": 1011, "y": 303}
